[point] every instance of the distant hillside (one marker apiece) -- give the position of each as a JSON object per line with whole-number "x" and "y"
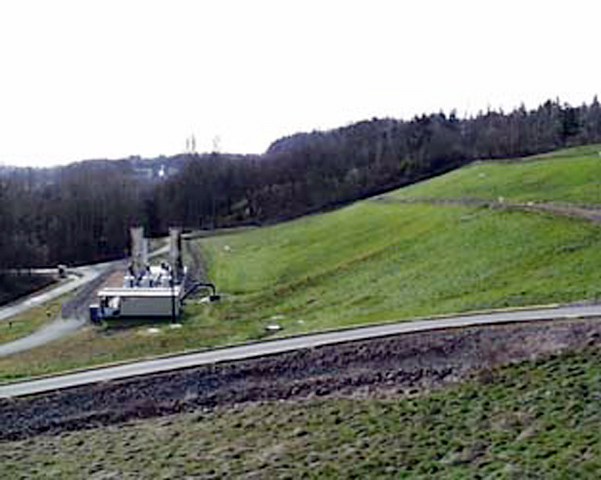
{"x": 396, "y": 256}
{"x": 81, "y": 212}
{"x": 308, "y": 172}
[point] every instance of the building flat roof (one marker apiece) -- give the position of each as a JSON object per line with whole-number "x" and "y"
{"x": 141, "y": 292}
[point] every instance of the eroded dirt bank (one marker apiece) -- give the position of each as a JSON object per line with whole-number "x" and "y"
{"x": 399, "y": 364}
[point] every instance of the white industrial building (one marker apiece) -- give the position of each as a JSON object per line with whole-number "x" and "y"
{"x": 148, "y": 291}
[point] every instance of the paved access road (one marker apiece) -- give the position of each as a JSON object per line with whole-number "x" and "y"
{"x": 59, "y": 327}
{"x": 288, "y": 344}
{"x": 79, "y": 276}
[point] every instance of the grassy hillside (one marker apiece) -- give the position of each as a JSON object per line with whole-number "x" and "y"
{"x": 376, "y": 261}
{"x": 536, "y": 420}
{"x": 566, "y": 176}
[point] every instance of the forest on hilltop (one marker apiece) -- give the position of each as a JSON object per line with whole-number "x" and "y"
{"x": 81, "y": 213}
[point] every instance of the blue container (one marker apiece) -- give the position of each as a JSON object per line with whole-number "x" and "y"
{"x": 95, "y": 314}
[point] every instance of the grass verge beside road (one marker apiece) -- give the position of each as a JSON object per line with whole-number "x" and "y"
{"x": 28, "y": 322}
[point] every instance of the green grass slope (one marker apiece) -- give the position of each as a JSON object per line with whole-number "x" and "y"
{"x": 566, "y": 176}
{"x": 377, "y": 261}
{"x": 370, "y": 262}
{"x": 535, "y": 420}
{"x": 374, "y": 262}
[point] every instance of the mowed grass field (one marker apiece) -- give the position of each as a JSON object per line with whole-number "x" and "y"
{"x": 534, "y": 420}
{"x": 377, "y": 262}
{"x": 373, "y": 261}
{"x": 571, "y": 176}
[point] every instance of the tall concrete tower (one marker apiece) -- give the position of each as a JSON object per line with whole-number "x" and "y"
{"x": 139, "y": 250}
{"x": 175, "y": 253}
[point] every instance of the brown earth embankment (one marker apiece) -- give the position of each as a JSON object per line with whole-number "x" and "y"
{"x": 400, "y": 364}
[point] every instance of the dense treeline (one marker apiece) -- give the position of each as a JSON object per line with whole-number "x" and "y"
{"x": 81, "y": 213}
{"x": 74, "y": 214}
{"x": 310, "y": 171}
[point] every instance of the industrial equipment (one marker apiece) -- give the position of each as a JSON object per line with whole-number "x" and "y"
{"x": 148, "y": 291}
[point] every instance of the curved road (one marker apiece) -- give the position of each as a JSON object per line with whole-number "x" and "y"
{"x": 60, "y": 327}
{"x": 79, "y": 276}
{"x": 242, "y": 352}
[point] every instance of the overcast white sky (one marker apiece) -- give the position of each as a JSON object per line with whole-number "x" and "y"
{"x": 88, "y": 79}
